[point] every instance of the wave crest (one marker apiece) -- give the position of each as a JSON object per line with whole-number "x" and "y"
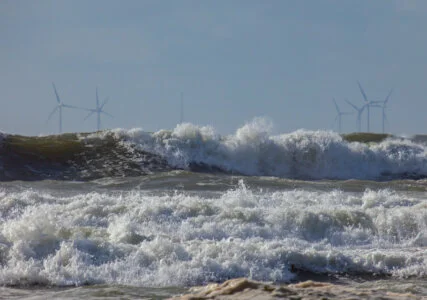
{"x": 252, "y": 150}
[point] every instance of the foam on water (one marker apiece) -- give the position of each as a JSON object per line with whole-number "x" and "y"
{"x": 302, "y": 154}
{"x": 165, "y": 239}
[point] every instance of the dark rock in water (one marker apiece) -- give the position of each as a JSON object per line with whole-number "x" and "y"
{"x": 68, "y": 157}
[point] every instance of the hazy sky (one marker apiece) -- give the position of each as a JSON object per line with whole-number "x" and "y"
{"x": 233, "y": 60}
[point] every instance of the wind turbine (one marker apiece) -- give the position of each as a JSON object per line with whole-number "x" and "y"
{"x": 339, "y": 114}
{"x": 368, "y": 103}
{"x": 98, "y": 110}
{"x": 59, "y": 108}
{"x": 384, "y": 106}
{"x": 359, "y": 111}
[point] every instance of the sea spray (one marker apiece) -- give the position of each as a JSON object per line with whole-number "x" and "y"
{"x": 302, "y": 154}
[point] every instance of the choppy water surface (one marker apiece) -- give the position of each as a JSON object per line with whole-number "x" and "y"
{"x": 185, "y": 207}
{"x": 181, "y": 229}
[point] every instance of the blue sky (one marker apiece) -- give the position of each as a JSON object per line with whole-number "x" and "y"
{"x": 233, "y": 60}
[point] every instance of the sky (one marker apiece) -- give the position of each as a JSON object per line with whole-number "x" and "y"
{"x": 233, "y": 60}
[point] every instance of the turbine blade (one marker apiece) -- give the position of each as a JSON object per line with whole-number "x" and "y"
{"x": 75, "y": 107}
{"x": 336, "y": 105}
{"x": 105, "y": 113}
{"x": 354, "y": 106}
{"x": 87, "y": 117}
{"x": 388, "y": 96}
{"x": 362, "y": 91}
{"x": 104, "y": 103}
{"x": 56, "y": 93}
{"x": 70, "y": 106}
{"x": 52, "y": 113}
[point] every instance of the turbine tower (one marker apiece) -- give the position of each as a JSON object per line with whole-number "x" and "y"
{"x": 359, "y": 111}
{"x": 368, "y": 104}
{"x": 98, "y": 110}
{"x": 339, "y": 115}
{"x": 59, "y": 108}
{"x": 384, "y": 106}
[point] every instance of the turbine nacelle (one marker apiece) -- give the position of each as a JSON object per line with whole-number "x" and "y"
{"x": 99, "y": 109}
{"x": 369, "y": 103}
{"x": 339, "y": 114}
{"x": 359, "y": 111}
{"x": 59, "y": 108}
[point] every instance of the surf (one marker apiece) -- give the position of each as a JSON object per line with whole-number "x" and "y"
{"x": 251, "y": 151}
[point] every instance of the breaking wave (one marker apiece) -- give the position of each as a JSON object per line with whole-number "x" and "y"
{"x": 252, "y": 150}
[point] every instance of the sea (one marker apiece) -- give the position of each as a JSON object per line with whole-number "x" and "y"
{"x": 131, "y": 214}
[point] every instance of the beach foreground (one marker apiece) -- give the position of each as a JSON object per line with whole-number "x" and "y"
{"x": 243, "y": 288}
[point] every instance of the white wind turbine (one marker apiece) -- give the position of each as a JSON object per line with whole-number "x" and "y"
{"x": 98, "y": 110}
{"x": 59, "y": 108}
{"x": 359, "y": 111}
{"x": 339, "y": 115}
{"x": 368, "y": 104}
{"x": 384, "y": 106}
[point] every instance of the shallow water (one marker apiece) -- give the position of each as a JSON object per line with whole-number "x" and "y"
{"x": 91, "y": 292}
{"x": 156, "y": 236}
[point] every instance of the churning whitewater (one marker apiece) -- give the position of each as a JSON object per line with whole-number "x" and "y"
{"x": 302, "y": 154}
{"x": 102, "y": 234}
{"x": 129, "y": 209}
{"x": 251, "y": 151}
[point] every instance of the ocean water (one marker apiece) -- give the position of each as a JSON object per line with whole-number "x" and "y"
{"x": 132, "y": 214}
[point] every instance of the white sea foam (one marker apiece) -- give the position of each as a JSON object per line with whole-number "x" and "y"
{"x": 252, "y": 150}
{"x": 164, "y": 239}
